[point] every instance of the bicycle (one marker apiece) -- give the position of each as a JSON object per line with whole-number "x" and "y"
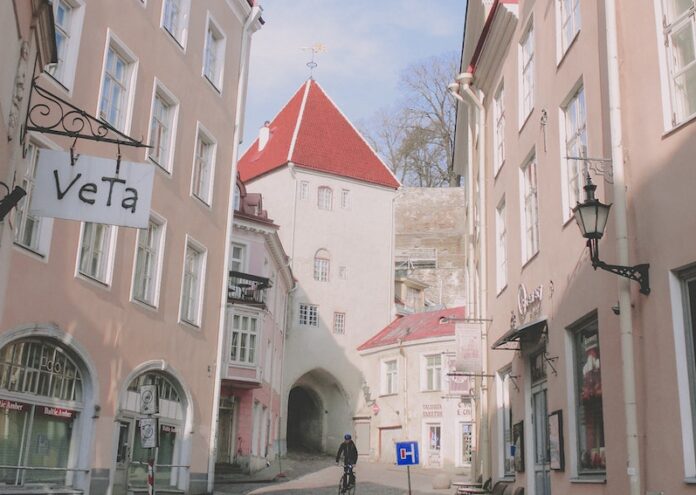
{"x": 344, "y": 485}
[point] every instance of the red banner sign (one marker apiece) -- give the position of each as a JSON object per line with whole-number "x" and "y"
{"x": 57, "y": 412}
{"x": 11, "y": 405}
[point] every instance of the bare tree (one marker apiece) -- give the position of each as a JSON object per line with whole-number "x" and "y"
{"x": 416, "y": 136}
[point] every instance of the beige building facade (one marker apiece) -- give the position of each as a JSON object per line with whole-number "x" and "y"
{"x": 92, "y": 312}
{"x": 541, "y": 85}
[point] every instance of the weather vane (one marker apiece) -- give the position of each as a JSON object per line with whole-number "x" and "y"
{"x": 315, "y": 48}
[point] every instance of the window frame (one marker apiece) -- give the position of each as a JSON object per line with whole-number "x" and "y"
{"x": 566, "y": 164}
{"x": 209, "y": 140}
{"x": 389, "y": 386}
{"x": 304, "y": 190}
{"x": 425, "y": 367}
{"x": 311, "y": 316}
{"x": 181, "y": 37}
{"x": 339, "y": 323}
{"x": 505, "y": 422}
{"x": 256, "y": 333}
{"x": 501, "y": 257}
{"x": 324, "y": 201}
{"x": 221, "y": 44}
{"x": 243, "y": 260}
{"x": 345, "y": 199}
{"x": 529, "y": 252}
{"x": 322, "y": 266}
{"x": 562, "y": 44}
{"x": 109, "y": 256}
{"x": 499, "y": 128}
{"x": 200, "y": 289}
{"x": 161, "y": 222}
{"x": 64, "y": 74}
{"x": 526, "y": 67}
{"x": 114, "y": 43}
{"x": 161, "y": 91}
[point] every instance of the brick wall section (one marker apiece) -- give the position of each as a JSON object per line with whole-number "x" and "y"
{"x": 432, "y": 218}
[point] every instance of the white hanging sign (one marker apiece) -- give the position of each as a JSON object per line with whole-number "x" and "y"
{"x": 91, "y": 190}
{"x": 468, "y": 337}
{"x": 148, "y": 433}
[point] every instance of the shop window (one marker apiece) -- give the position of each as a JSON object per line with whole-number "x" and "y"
{"x": 588, "y": 398}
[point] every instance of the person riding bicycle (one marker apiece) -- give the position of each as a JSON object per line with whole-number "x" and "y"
{"x": 350, "y": 457}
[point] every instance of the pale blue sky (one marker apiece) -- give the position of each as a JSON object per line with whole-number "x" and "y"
{"x": 368, "y": 42}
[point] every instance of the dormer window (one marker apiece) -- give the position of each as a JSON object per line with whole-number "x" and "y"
{"x": 324, "y": 198}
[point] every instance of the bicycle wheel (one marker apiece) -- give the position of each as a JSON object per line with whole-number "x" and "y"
{"x": 341, "y": 488}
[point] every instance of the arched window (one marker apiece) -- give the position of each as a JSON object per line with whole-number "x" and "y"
{"x": 321, "y": 265}
{"x": 41, "y": 400}
{"x": 237, "y": 197}
{"x": 324, "y": 198}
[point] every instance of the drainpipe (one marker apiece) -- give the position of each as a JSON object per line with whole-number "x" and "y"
{"x": 633, "y": 468}
{"x": 253, "y": 17}
{"x": 286, "y": 320}
{"x": 463, "y": 85}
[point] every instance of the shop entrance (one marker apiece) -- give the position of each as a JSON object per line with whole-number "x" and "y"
{"x": 540, "y": 423}
{"x": 226, "y": 431}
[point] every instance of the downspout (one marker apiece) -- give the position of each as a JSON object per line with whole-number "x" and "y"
{"x": 253, "y": 17}
{"x": 286, "y": 320}
{"x": 463, "y": 85}
{"x": 633, "y": 468}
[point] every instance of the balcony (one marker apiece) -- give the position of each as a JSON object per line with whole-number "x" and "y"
{"x": 244, "y": 288}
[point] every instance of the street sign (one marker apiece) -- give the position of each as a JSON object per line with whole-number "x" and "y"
{"x": 407, "y": 453}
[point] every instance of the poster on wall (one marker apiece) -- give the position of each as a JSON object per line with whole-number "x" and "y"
{"x": 90, "y": 189}
{"x": 557, "y": 461}
{"x": 517, "y": 446}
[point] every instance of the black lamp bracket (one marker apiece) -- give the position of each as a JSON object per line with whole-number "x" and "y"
{"x": 638, "y": 273}
{"x": 600, "y": 166}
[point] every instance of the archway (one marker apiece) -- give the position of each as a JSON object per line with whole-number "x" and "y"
{"x": 305, "y": 420}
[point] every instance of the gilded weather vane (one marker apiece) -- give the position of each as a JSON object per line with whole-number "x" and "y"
{"x": 315, "y": 48}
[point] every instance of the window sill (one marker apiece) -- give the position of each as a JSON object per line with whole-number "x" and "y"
{"x": 394, "y": 394}
{"x": 144, "y": 305}
{"x": 564, "y": 54}
{"x": 94, "y": 281}
{"x": 531, "y": 258}
{"x": 240, "y": 364}
{"x": 690, "y": 480}
{"x": 496, "y": 171}
{"x": 189, "y": 324}
{"x": 598, "y": 480}
{"x": 501, "y": 290}
{"x": 526, "y": 119}
{"x": 679, "y": 126}
{"x": 160, "y": 166}
{"x": 173, "y": 38}
{"x": 59, "y": 84}
{"x": 39, "y": 256}
{"x": 218, "y": 90}
{"x": 202, "y": 201}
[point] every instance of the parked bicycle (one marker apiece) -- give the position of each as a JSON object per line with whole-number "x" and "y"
{"x": 346, "y": 485}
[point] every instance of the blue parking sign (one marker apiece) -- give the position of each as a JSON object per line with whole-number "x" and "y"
{"x": 406, "y": 453}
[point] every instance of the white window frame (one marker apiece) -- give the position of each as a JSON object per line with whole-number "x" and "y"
{"x": 569, "y": 139}
{"x": 205, "y": 194}
{"x": 502, "y": 384}
{"x": 26, "y": 176}
{"x": 181, "y": 36}
{"x": 256, "y": 334}
{"x": 308, "y": 315}
{"x": 345, "y": 199}
{"x": 109, "y": 256}
{"x": 64, "y": 73}
{"x": 343, "y": 272}
{"x": 161, "y": 222}
{"x": 200, "y": 285}
{"x": 220, "y": 44}
{"x": 460, "y": 461}
{"x": 501, "y": 257}
{"x": 243, "y": 260}
{"x": 526, "y": 67}
{"x": 322, "y": 265}
{"x": 304, "y": 189}
{"x": 339, "y": 323}
{"x": 499, "y": 129}
{"x": 325, "y": 198}
{"x": 528, "y": 252}
{"x": 120, "y": 49}
{"x": 436, "y": 386}
{"x": 159, "y": 90}
{"x": 565, "y": 18}
{"x": 385, "y": 382}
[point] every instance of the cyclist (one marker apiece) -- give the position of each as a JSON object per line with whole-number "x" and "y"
{"x": 350, "y": 458}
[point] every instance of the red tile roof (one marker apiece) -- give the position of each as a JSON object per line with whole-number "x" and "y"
{"x": 417, "y": 326}
{"x": 311, "y": 132}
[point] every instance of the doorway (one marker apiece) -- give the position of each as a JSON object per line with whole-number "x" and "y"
{"x": 226, "y": 434}
{"x": 540, "y": 423}
{"x": 305, "y": 421}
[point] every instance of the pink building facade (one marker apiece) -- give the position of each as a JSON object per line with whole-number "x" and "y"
{"x": 541, "y": 96}
{"x": 261, "y": 285}
{"x": 92, "y": 312}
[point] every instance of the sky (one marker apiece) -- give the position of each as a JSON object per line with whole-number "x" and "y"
{"x": 368, "y": 44}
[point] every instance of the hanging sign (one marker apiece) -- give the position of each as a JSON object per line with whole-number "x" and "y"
{"x": 456, "y": 384}
{"x": 468, "y": 336}
{"x": 148, "y": 433}
{"x": 148, "y": 399}
{"x": 90, "y": 190}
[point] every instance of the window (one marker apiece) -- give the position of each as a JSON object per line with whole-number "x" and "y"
{"x": 243, "y": 347}
{"x": 499, "y": 133}
{"x": 343, "y": 272}
{"x": 390, "y": 377}
{"x": 432, "y": 373}
{"x": 175, "y": 18}
{"x": 588, "y": 397}
{"x": 526, "y": 58}
{"x": 466, "y": 440}
{"x": 192, "y": 284}
{"x": 203, "y": 167}
{"x": 96, "y": 251}
{"x": 505, "y": 421}
{"x": 31, "y": 232}
{"x": 321, "y": 265}
{"x": 162, "y": 128}
{"x": 309, "y": 315}
{"x": 237, "y": 201}
{"x": 339, "y": 323}
{"x": 214, "y": 54}
{"x": 68, "y": 17}
{"x": 345, "y": 199}
{"x": 530, "y": 210}
{"x": 500, "y": 246}
{"x": 324, "y": 198}
{"x": 569, "y": 22}
{"x": 575, "y": 146}
{"x": 238, "y": 257}
{"x": 117, "y": 81}
{"x": 679, "y": 30}
{"x": 304, "y": 189}
{"x": 148, "y": 262}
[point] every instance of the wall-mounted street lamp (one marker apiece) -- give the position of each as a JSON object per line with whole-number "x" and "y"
{"x": 10, "y": 200}
{"x": 592, "y": 216}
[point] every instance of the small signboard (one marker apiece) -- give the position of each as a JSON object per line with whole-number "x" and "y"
{"x": 91, "y": 190}
{"x": 148, "y": 433}
{"x": 148, "y": 399}
{"x": 468, "y": 337}
{"x": 407, "y": 453}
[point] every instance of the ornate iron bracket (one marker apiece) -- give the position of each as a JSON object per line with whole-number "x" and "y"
{"x": 639, "y": 273}
{"x": 51, "y": 114}
{"x": 600, "y": 166}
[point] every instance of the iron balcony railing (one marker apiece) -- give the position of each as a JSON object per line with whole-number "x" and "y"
{"x": 247, "y": 289}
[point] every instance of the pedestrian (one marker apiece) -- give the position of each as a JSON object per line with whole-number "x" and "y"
{"x": 350, "y": 456}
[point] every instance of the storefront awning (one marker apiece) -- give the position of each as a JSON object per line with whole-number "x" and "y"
{"x": 529, "y": 332}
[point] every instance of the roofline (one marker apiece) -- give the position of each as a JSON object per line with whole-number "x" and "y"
{"x": 364, "y": 351}
{"x": 483, "y": 37}
{"x": 300, "y": 114}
